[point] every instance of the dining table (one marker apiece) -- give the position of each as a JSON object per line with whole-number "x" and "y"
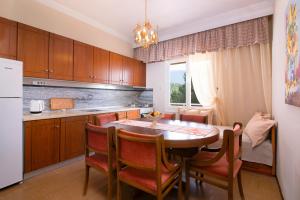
{"x": 184, "y": 135}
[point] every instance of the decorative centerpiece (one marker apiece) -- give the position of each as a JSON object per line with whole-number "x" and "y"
{"x": 154, "y": 117}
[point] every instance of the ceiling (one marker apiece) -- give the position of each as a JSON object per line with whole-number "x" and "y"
{"x": 118, "y": 17}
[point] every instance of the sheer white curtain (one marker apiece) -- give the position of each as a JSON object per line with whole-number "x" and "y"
{"x": 236, "y": 81}
{"x": 203, "y": 73}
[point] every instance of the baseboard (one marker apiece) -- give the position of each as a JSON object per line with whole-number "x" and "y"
{"x": 51, "y": 167}
{"x": 258, "y": 167}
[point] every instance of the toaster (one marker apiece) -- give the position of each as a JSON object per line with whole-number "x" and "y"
{"x": 37, "y": 106}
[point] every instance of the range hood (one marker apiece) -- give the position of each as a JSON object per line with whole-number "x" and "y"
{"x": 39, "y": 82}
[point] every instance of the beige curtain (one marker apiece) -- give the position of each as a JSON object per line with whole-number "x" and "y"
{"x": 244, "y": 82}
{"x": 239, "y": 80}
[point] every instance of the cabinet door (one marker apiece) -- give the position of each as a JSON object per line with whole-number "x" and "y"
{"x": 33, "y": 48}
{"x": 60, "y": 57}
{"x": 133, "y": 114}
{"x": 143, "y": 74}
{"x": 122, "y": 115}
{"x": 83, "y": 62}
{"x": 127, "y": 71}
{"x": 45, "y": 136}
{"x": 139, "y": 74}
{"x": 116, "y": 63}
{"x": 27, "y": 147}
{"x": 72, "y": 137}
{"x": 101, "y": 65}
{"x": 8, "y": 39}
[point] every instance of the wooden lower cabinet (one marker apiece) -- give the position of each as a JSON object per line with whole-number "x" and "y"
{"x": 72, "y": 137}
{"x": 122, "y": 115}
{"x": 133, "y": 114}
{"x": 42, "y": 142}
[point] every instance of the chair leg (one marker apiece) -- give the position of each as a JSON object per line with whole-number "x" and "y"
{"x": 187, "y": 181}
{"x": 230, "y": 191}
{"x": 196, "y": 180}
{"x": 179, "y": 194}
{"x": 239, "y": 176}
{"x": 87, "y": 172}
{"x": 109, "y": 189}
{"x": 201, "y": 175}
{"x": 119, "y": 190}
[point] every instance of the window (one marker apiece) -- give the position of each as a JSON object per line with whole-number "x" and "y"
{"x": 181, "y": 87}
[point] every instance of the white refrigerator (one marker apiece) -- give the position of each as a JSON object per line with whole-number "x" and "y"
{"x": 11, "y": 117}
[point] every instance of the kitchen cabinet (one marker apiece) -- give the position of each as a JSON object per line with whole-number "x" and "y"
{"x": 139, "y": 74}
{"x": 27, "y": 147}
{"x": 133, "y": 114}
{"x": 116, "y": 65}
{"x": 33, "y": 50}
{"x": 45, "y": 136}
{"x": 83, "y": 62}
{"x": 60, "y": 57}
{"x": 72, "y": 140}
{"x": 8, "y": 39}
{"x": 101, "y": 66}
{"x": 122, "y": 115}
{"x": 127, "y": 71}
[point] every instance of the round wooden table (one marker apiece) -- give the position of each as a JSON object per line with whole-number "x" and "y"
{"x": 175, "y": 139}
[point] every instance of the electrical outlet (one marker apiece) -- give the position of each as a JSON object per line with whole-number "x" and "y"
{"x": 39, "y": 82}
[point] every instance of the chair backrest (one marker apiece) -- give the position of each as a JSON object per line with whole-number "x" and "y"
{"x": 169, "y": 116}
{"x": 139, "y": 151}
{"x": 193, "y": 118}
{"x": 105, "y": 118}
{"x": 233, "y": 139}
{"x": 99, "y": 139}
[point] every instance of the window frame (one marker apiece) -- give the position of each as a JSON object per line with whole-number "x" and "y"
{"x": 188, "y": 91}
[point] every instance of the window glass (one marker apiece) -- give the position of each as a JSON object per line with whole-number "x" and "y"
{"x": 178, "y": 84}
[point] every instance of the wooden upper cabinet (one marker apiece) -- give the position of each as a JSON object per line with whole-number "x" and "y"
{"x": 127, "y": 71}
{"x": 8, "y": 39}
{"x": 45, "y": 136}
{"x": 60, "y": 57}
{"x": 143, "y": 74}
{"x": 139, "y": 74}
{"x": 83, "y": 62}
{"x": 33, "y": 50}
{"x": 116, "y": 65}
{"x": 101, "y": 65}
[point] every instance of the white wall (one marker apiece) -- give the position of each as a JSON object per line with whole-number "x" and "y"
{"x": 35, "y": 14}
{"x": 288, "y": 116}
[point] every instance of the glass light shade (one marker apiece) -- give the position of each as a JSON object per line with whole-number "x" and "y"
{"x": 145, "y": 35}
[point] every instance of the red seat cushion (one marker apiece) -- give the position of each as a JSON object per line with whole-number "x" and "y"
{"x": 219, "y": 168}
{"x": 144, "y": 178}
{"x": 100, "y": 161}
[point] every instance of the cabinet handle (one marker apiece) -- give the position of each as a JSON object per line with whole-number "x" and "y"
{"x": 51, "y": 70}
{"x": 46, "y": 70}
{"x": 94, "y": 76}
{"x": 56, "y": 126}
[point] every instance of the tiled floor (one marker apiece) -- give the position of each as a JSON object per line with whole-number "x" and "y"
{"x": 67, "y": 183}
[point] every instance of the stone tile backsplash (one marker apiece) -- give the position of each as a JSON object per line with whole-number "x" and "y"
{"x": 86, "y": 98}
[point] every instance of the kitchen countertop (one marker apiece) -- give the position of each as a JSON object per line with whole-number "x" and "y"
{"x": 74, "y": 112}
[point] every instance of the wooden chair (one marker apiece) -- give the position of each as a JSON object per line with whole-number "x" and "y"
{"x": 102, "y": 119}
{"x": 100, "y": 141}
{"x": 169, "y": 116}
{"x": 222, "y": 164}
{"x": 144, "y": 164}
{"x": 194, "y": 118}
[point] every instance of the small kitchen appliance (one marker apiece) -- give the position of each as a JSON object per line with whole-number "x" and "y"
{"x": 37, "y": 106}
